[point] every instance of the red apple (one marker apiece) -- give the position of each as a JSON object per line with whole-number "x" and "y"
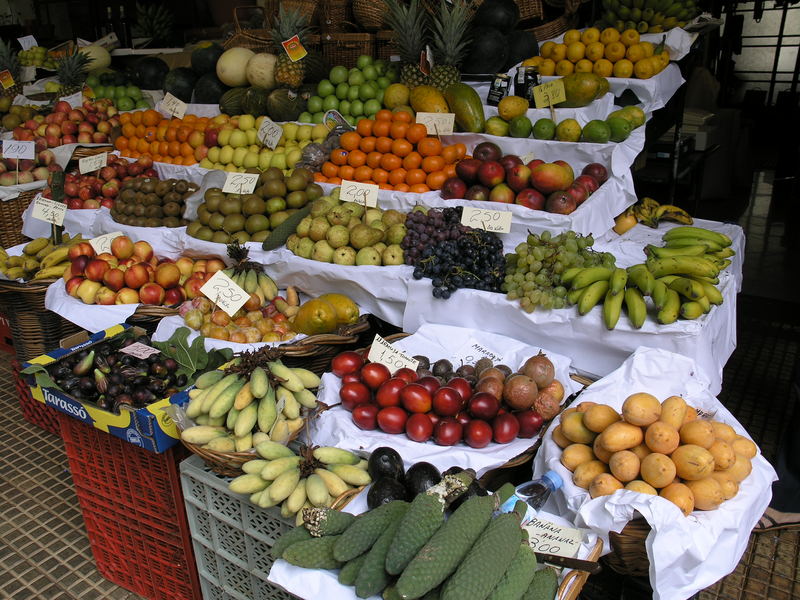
{"x": 174, "y": 296}
{"x": 75, "y": 203}
{"x": 213, "y": 265}
{"x": 453, "y": 187}
{"x": 69, "y": 128}
{"x": 105, "y": 296}
{"x": 491, "y": 173}
{"x": 78, "y": 265}
{"x": 151, "y": 293}
{"x": 192, "y": 288}
{"x": 531, "y": 198}
{"x": 85, "y": 138}
{"x": 596, "y": 170}
{"x": 560, "y": 203}
{"x": 114, "y": 279}
{"x": 578, "y": 192}
{"x": 551, "y": 177}
{"x": 477, "y": 192}
{"x": 69, "y": 139}
{"x": 81, "y": 249}
{"x": 143, "y": 250}
{"x": 487, "y": 151}
{"x": 518, "y": 177}
{"x": 509, "y": 161}
{"x": 502, "y": 193}
{"x": 467, "y": 170}
{"x": 91, "y": 203}
{"x": 110, "y": 189}
{"x": 211, "y": 136}
{"x": 72, "y": 285}
{"x": 589, "y": 182}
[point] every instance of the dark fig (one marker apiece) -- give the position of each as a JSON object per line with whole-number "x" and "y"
{"x": 465, "y": 371}
{"x": 424, "y": 361}
{"x": 385, "y": 462}
{"x": 420, "y": 477}
{"x": 171, "y": 364}
{"x": 385, "y": 490}
{"x": 442, "y": 367}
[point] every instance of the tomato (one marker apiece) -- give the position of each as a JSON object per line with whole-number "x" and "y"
{"x": 352, "y": 378}
{"x": 365, "y": 416}
{"x": 419, "y": 427}
{"x": 447, "y": 402}
{"x": 392, "y": 419}
{"x": 505, "y": 428}
{"x": 430, "y": 383}
{"x": 462, "y": 386}
{"x": 346, "y": 362}
{"x": 388, "y": 393}
{"x": 478, "y": 433}
{"x": 483, "y": 405}
{"x": 530, "y": 422}
{"x": 415, "y": 398}
{"x": 448, "y": 432}
{"x": 374, "y": 374}
{"x": 410, "y": 375}
{"x": 463, "y": 418}
{"x": 353, "y": 394}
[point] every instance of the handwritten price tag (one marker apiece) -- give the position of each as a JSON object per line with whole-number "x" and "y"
{"x": 48, "y": 210}
{"x": 472, "y": 351}
{"x": 74, "y": 100}
{"x": 108, "y": 41}
{"x": 437, "y": 123}
{"x": 17, "y": 149}
{"x": 93, "y": 163}
{"x": 549, "y": 93}
{"x": 496, "y": 221}
{"x": 361, "y": 193}
{"x": 383, "y": 352}
{"x": 222, "y": 291}
{"x": 27, "y": 42}
{"x": 102, "y": 243}
{"x": 27, "y": 74}
{"x": 549, "y": 538}
{"x": 140, "y": 350}
{"x": 174, "y": 106}
{"x": 240, "y": 183}
{"x": 269, "y": 133}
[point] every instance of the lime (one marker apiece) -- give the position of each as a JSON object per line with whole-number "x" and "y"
{"x": 372, "y": 106}
{"x": 120, "y": 91}
{"x": 124, "y": 103}
{"x": 569, "y": 130}
{"x": 356, "y": 108}
{"x": 92, "y": 80}
{"x": 341, "y": 91}
{"x": 596, "y": 132}
{"x": 338, "y": 75}
{"x": 356, "y": 77}
{"x": 379, "y": 95}
{"x": 329, "y": 103}
{"x": 635, "y": 115}
{"x": 305, "y": 117}
{"x": 344, "y": 107}
{"x": 142, "y": 104}
{"x": 317, "y": 117}
{"x": 384, "y": 82}
{"x": 352, "y": 93}
{"x": 133, "y": 92}
{"x": 620, "y": 129}
{"x": 366, "y": 91}
{"x": 325, "y": 88}
{"x": 496, "y": 126}
{"x": 544, "y": 129}
{"x": 370, "y": 73}
{"x": 364, "y": 61}
{"x": 380, "y": 66}
{"x": 99, "y": 91}
{"x": 314, "y": 104}
{"x": 520, "y": 127}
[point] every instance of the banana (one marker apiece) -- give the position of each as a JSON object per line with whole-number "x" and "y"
{"x": 3, "y": 254}
{"x": 284, "y": 485}
{"x": 259, "y": 437}
{"x": 683, "y": 242}
{"x": 363, "y": 464}
{"x": 265, "y": 501}
{"x": 251, "y": 281}
{"x": 591, "y": 296}
{"x": 194, "y": 408}
{"x": 267, "y": 411}
{"x": 295, "y": 424}
{"x": 297, "y": 498}
{"x": 224, "y": 402}
{"x": 255, "y": 498}
{"x": 712, "y": 293}
{"x": 724, "y": 253}
{"x": 53, "y": 272}
{"x": 574, "y": 295}
{"x": 247, "y": 419}
{"x": 335, "y": 484}
{"x": 44, "y": 252}
{"x": 207, "y": 379}
{"x": 244, "y": 397}
{"x": 290, "y": 380}
{"x": 230, "y": 419}
{"x": 222, "y": 444}
{"x": 659, "y": 252}
{"x": 641, "y": 278}
{"x": 228, "y": 272}
{"x": 617, "y": 281}
{"x": 691, "y": 310}
{"x": 705, "y": 303}
{"x": 14, "y": 261}
{"x": 215, "y": 390}
{"x": 249, "y": 483}
{"x": 202, "y": 420}
{"x": 258, "y": 382}
{"x": 292, "y": 297}
{"x": 317, "y": 491}
{"x": 687, "y": 287}
{"x": 350, "y": 474}
{"x": 274, "y": 468}
{"x": 201, "y": 434}
{"x": 254, "y": 466}
{"x": 273, "y": 450}
{"x": 331, "y": 455}
{"x": 590, "y": 275}
{"x": 612, "y": 307}
{"x": 724, "y": 264}
{"x": 711, "y": 280}
{"x": 682, "y": 265}
{"x": 59, "y": 255}
{"x": 669, "y": 311}
{"x": 635, "y": 307}
{"x": 307, "y": 398}
{"x": 33, "y": 247}
{"x": 670, "y": 212}
{"x": 309, "y": 378}
{"x": 568, "y": 275}
{"x": 268, "y": 286}
{"x": 280, "y": 430}
{"x": 699, "y": 232}
{"x": 194, "y": 393}
{"x": 288, "y": 403}
{"x": 15, "y": 273}
{"x": 243, "y": 443}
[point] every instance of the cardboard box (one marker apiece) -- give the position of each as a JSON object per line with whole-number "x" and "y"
{"x": 149, "y": 427}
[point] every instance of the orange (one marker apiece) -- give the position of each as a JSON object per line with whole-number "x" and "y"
{"x": 154, "y": 146}
{"x": 390, "y": 162}
{"x": 189, "y": 118}
{"x": 648, "y": 49}
{"x": 383, "y": 144}
{"x": 432, "y": 163}
{"x": 183, "y": 133}
{"x": 547, "y": 68}
{"x": 415, "y": 176}
{"x": 450, "y": 170}
{"x": 129, "y": 129}
{"x": 429, "y": 146}
{"x": 398, "y": 130}
{"x": 335, "y": 180}
{"x": 329, "y": 169}
{"x": 349, "y": 140}
{"x": 189, "y": 161}
{"x": 383, "y": 115}
{"x": 380, "y": 175}
{"x": 346, "y": 172}
{"x": 401, "y": 187}
{"x": 461, "y": 150}
{"x": 172, "y": 134}
{"x": 450, "y": 154}
{"x": 594, "y": 51}
{"x": 603, "y": 67}
{"x": 367, "y": 144}
{"x": 150, "y": 134}
{"x": 140, "y": 129}
{"x": 374, "y": 159}
{"x": 356, "y": 158}
{"x": 121, "y": 143}
{"x": 412, "y": 161}
{"x": 592, "y": 34}
{"x": 436, "y": 180}
{"x": 402, "y": 116}
{"x": 362, "y": 173}
{"x": 136, "y": 117}
{"x": 157, "y": 157}
{"x": 364, "y": 127}
{"x": 419, "y": 188}
{"x": 381, "y": 128}
{"x": 546, "y": 49}
{"x": 320, "y": 178}
{"x": 644, "y": 69}
{"x": 163, "y": 148}
{"x": 161, "y": 132}
{"x": 186, "y": 150}
{"x": 615, "y": 51}
{"x": 402, "y": 148}
{"x": 174, "y": 148}
{"x": 397, "y": 176}
{"x": 416, "y": 132}
{"x": 339, "y": 156}
{"x": 385, "y": 186}
{"x": 629, "y": 37}
{"x": 608, "y": 35}
{"x": 142, "y": 146}
{"x": 151, "y": 117}
{"x": 124, "y": 118}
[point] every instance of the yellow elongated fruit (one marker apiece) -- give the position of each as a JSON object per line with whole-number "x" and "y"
{"x": 224, "y": 401}
{"x": 617, "y": 281}
{"x": 317, "y": 491}
{"x": 53, "y": 272}
{"x": 612, "y": 308}
{"x": 682, "y": 265}
{"x": 687, "y": 287}
{"x": 215, "y": 390}
{"x": 331, "y": 455}
{"x": 267, "y": 411}
{"x": 705, "y": 303}
{"x": 278, "y": 466}
{"x": 259, "y": 383}
{"x": 297, "y": 498}
{"x": 712, "y": 293}
{"x": 248, "y": 483}
{"x": 58, "y": 255}
{"x": 195, "y": 407}
{"x": 272, "y": 450}
{"x": 350, "y": 474}
{"x": 266, "y": 500}
{"x": 284, "y": 485}
{"x": 207, "y": 379}
{"x": 724, "y": 253}
{"x": 682, "y": 242}
{"x": 568, "y": 275}
{"x": 635, "y": 307}
{"x": 216, "y": 421}
{"x": 574, "y": 295}
{"x": 691, "y": 310}
{"x": 362, "y": 464}
{"x": 671, "y": 308}
{"x": 259, "y": 437}
{"x": 643, "y": 279}
{"x": 243, "y": 443}
{"x": 307, "y": 398}
{"x": 290, "y": 381}
{"x": 222, "y": 444}
{"x": 295, "y": 424}
{"x": 247, "y": 419}
{"x": 309, "y": 378}
{"x": 291, "y": 407}
{"x": 195, "y": 393}
{"x": 280, "y": 431}
{"x": 590, "y": 275}
{"x": 667, "y": 279}
{"x": 335, "y": 484}
{"x": 699, "y": 232}
{"x": 661, "y": 252}
{"x": 243, "y": 397}
{"x": 254, "y": 466}
{"x": 201, "y": 434}
{"x": 268, "y": 286}
{"x": 592, "y": 295}
{"x": 230, "y": 419}
{"x": 255, "y": 498}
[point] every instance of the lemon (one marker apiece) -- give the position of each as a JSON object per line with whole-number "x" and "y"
{"x": 648, "y": 49}
{"x": 635, "y": 53}
{"x": 592, "y": 34}
{"x": 576, "y": 51}
{"x": 615, "y": 51}
{"x": 594, "y": 51}
{"x": 569, "y": 130}
{"x": 546, "y": 49}
{"x": 635, "y": 115}
{"x": 573, "y": 35}
{"x": 534, "y": 61}
{"x": 584, "y": 66}
{"x": 395, "y": 95}
{"x": 623, "y": 68}
{"x": 609, "y": 35}
{"x": 564, "y": 67}
{"x": 596, "y": 132}
{"x": 559, "y": 53}
{"x": 644, "y": 69}
{"x": 603, "y": 68}
{"x": 544, "y": 129}
{"x": 547, "y": 68}
{"x": 512, "y": 106}
{"x": 629, "y": 37}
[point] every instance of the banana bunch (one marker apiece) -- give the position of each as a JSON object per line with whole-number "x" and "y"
{"x": 650, "y": 213}
{"x": 647, "y": 16}
{"x": 314, "y": 478}
{"x": 254, "y": 282}
{"x": 40, "y": 259}
{"x": 237, "y": 412}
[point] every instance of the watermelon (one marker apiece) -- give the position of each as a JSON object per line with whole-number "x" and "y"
{"x": 487, "y": 53}
{"x": 254, "y": 101}
{"x": 231, "y": 101}
{"x": 149, "y": 73}
{"x": 285, "y": 105}
{"x": 499, "y": 14}
{"x": 180, "y": 83}
{"x": 205, "y": 56}
{"x": 209, "y": 89}
{"x": 521, "y": 45}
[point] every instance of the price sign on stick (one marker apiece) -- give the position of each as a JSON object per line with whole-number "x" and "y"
{"x": 139, "y": 350}
{"x": 437, "y": 123}
{"x": 27, "y": 42}
{"x": 240, "y": 183}
{"x": 549, "y": 94}
{"x": 102, "y": 244}
{"x": 496, "y": 221}
{"x": 549, "y": 538}
{"x": 93, "y": 163}
{"x": 385, "y": 353}
{"x": 48, "y": 210}
{"x": 361, "y": 193}
{"x": 269, "y": 133}
{"x": 17, "y": 149}
{"x": 223, "y": 292}
{"x": 174, "y": 106}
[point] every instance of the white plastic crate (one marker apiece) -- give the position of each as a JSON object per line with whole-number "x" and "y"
{"x": 232, "y": 539}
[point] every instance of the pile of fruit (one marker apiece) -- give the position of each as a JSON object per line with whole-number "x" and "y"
{"x": 40, "y": 259}
{"x": 37, "y": 56}
{"x": 651, "y": 447}
{"x": 20, "y": 170}
{"x": 409, "y": 550}
{"x": 393, "y": 153}
{"x": 116, "y": 87}
{"x": 608, "y": 54}
{"x": 147, "y": 202}
{"x": 223, "y": 218}
{"x": 14, "y": 115}
{"x": 174, "y": 141}
{"x": 475, "y": 403}
{"x": 553, "y": 187}
{"x": 653, "y": 16}
{"x": 356, "y": 93}
{"x": 615, "y": 128}
{"x": 650, "y": 212}
{"x": 347, "y": 233}
{"x": 93, "y": 190}
{"x": 87, "y": 124}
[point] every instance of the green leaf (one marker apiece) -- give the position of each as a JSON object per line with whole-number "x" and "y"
{"x": 192, "y": 357}
{"x": 42, "y": 377}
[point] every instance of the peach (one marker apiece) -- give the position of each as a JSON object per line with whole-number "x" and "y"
{"x": 174, "y": 295}
{"x": 81, "y": 249}
{"x": 550, "y": 177}
{"x": 105, "y": 296}
{"x": 127, "y": 296}
{"x": 136, "y": 276}
{"x": 192, "y": 288}
{"x": 73, "y": 284}
{"x": 122, "y": 247}
{"x": 143, "y": 250}
{"x": 151, "y": 293}
{"x": 114, "y": 279}
{"x": 96, "y": 269}
{"x": 167, "y": 275}
{"x": 199, "y": 266}
{"x": 213, "y": 265}
{"x": 185, "y": 265}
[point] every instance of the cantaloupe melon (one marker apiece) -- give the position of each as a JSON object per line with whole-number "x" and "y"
{"x": 260, "y": 70}
{"x": 232, "y": 66}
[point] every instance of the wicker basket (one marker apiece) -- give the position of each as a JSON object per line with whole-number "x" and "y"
{"x": 628, "y": 552}
{"x": 572, "y": 584}
{"x": 35, "y": 329}
{"x": 528, "y": 9}
{"x": 345, "y": 48}
{"x": 11, "y": 218}
{"x": 258, "y": 40}
{"x": 385, "y": 45}
{"x": 147, "y": 316}
{"x": 336, "y": 15}
{"x": 369, "y": 14}
{"x": 307, "y": 8}
{"x": 84, "y": 151}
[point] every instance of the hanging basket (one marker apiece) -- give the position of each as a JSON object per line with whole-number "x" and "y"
{"x": 369, "y": 14}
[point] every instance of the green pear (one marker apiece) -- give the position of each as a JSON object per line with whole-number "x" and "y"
{"x": 344, "y": 255}
{"x": 304, "y": 248}
{"x": 380, "y": 247}
{"x": 321, "y": 206}
{"x": 355, "y": 208}
{"x": 393, "y": 255}
{"x": 372, "y": 214}
{"x": 339, "y": 215}
{"x": 292, "y": 241}
{"x": 323, "y": 252}
{"x": 393, "y": 217}
{"x": 396, "y": 233}
{"x": 362, "y": 236}
{"x": 319, "y": 227}
{"x": 368, "y": 256}
{"x": 304, "y": 226}
{"x": 338, "y": 236}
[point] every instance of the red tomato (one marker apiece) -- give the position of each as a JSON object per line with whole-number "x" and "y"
{"x": 353, "y": 394}
{"x": 392, "y": 419}
{"x": 505, "y": 428}
{"x": 419, "y": 427}
{"x": 346, "y": 362}
{"x": 365, "y": 416}
{"x": 478, "y": 433}
{"x": 374, "y": 374}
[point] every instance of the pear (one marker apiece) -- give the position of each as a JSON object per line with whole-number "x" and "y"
{"x": 355, "y": 208}
{"x": 378, "y": 224}
{"x": 380, "y": 247}
{"x": 368, "y": 256}
{"x": 339, "y": 215}
{"x": 304, "y": 248}
{"x": 395, "y": 233}
{"x": 338, "y": 236}
{"x": 393, "y": 217}
{"x": 344, "y": 255}
{"x": 321, "y": 206}
{"x": 372, "y": 214}
{"x": 303, "y": 226}
{"x": 393, "y": 255}
{"x": 319, "y": 227}
{"x": 292, "y": 241}
{"x": 323, "y": 252}
{"x": 362, "y": 236}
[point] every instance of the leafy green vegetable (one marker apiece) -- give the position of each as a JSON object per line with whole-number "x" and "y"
{"x": 192, "y": 358}
{"x": 42, "y": 376}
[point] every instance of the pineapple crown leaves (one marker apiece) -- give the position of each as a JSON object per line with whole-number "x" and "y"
{"x": 153, "y": 20}
{"x": 71, "y": 70}
{"x": 451, "y": 32}
{"x": 288, "y": 23}
{"x": 9, "y": 59}
{"x": 411, "y": 26}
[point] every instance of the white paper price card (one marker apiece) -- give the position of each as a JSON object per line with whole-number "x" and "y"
{"x": 223, "y": 292}
{"x": 140, "y": 350}
{"x": 240, "y": 183}
{"x": 471, "y": 351}
{"x": 360, "y": 193}
{"x": 437, "y": 123}
{"x": 549, "y": 538}
{"x": 496, "y": 221}
{"x": 93, "y": 163}
{"x": 48, "y": 210}
{"x": 174, "y": 106}
{"x": 383, "y": 352}
{"x": 27, "y": 42}
{"x": 528, "y": 158}
{"x": 549, "y": 93}
{"x": 74, "y": 100}
{"x": 102, "y": 243}
{"x": 19, "y": 149}
{"x": 269, "y": 133}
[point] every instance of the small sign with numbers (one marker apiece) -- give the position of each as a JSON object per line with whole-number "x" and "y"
{"x": 471, "y": 351}
{"x": 108, "y": 42}
{"x": 385, "y": 353}
{"x": 240, "y": 183}
{"x": 48, "y": 210}
{"x": 496, "y": 221}
{"x": 270, "y": 133}
{"x": 93, "y": 163}
{"x": 139, "y": 350}
{"x": 74, "y": 100}
{"x": 549, "y": 94}
{"x": 223, "y": 292}
{"x": 549, "y": 538}
{"x": 102, "y": 243}
{"x": 437, "y": 123}
{"x": 18, "y": 149}
{"x": 27, "y": 42}
{"x": 173, "y": 106}
{"x": 360, "y": 193}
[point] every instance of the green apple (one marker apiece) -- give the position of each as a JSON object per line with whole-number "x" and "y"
{"x": 330, "y": 103}
{"x": 318, "y": 117}
{"x": 264, "y": 158}
{"x": 278, "y": 160}
{"x": 213, "y": 154}
{"x": 364, "y": 61}
{"x": 355, "y": 78}
{"x": 372, "y": 106}
{"x": 356, "y": 108}
{"x": 293, "y": 157}
{"x": 370, "y": 73}
{"x": 250, "y": 160}
{"x": 252, "y": 135}
{"x": 305, "y": 117}
{"x": 247, "y": 122}
{"x": 304, "y": 132}
{"x": 338, "y": 75}
{"x": 206, "y": 164}
{"x": 238, "y": 156}
{"x": 226, "y": 155}
{"x": 314, "y": 104}
{"x": 238, "y": 139}
{"x": 341, "y": 91}
{"x": 290, "y": 131}
{"x": 224, "y": 137}
{"x": 325, "y": 88}
{"x": 344, "y": 107}
{"x": 219, "y": 166}
{"x": 352, "y": 93}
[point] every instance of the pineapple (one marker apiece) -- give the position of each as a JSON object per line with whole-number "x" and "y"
{"x": 450, "y": 41}
{"x": 71, "y": 72}
{"x": 409, "y": 23}
{"x": 287, "y": 24}
{"x": 9, "y": 61}
{"x": 153, "y": 21}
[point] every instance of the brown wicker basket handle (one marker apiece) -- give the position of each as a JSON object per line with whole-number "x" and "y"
{"x": 571, "y": 6}
{"x": 236, "y": 15}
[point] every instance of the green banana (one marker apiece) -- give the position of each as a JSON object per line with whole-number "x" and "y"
{"x": 669, "y": 311}
{"x": 290, "y": 380}
{"x": 230, "y": 418}
{"x": 274, "y": 468}
{"x": 591, "y": 296}
{"x": 211, "y": 395}
{"x": 687, "y": 287}
{"x": 568, "y": 275}
{"x": 288, "y": 403}
{"x": 590, "y": 275}
{"x": 705, "y": 303}
{"x": 683, "y": 242}
{"x": 267, "y": 410}
{"x": 682, "y": 265}
{"x": 331, "y": 455}
{"x": 635, "y": 307}
{"x": 574, "y": 295}
{"x": 270, "y": 450}
{"x": 259, "y": 382}
{"x": 698, "y": 232}
{"x": 224, "y": 402}
{"x": 246, "y": 420}
{"x": 641, "y": 278}
{"x": 724, "y": 253}
{"x": 617, "y": 281}
{"x": 250, "y": 281}
{"x": 307, "y": 398}
{"x": 659, "y": 252}
{"x": 309, "y": 378}
{"x": 612, "y": 307}
{"x": 691, "y": 310}
{"x": 284, "y": 485}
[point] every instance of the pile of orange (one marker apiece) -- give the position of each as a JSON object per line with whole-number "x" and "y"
{"x": 393, "y": 152}
{"x": 148, "y": 133}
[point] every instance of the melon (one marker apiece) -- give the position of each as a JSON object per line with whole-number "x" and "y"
{"x": 149, "y": 73}
{"x": 285, "y": 105}
{"x": 232, "y": 66}
{"x": 180, "y": 83}
{"x": 261, "y": 70}
{"x": 487, "y": 53}
{"x": 205, "y": 57}
{"x": 209, "y": 89}
{"x": 254, "y": 102}
{"x": 231, "y": 101}
{"x": 101, "y": 59}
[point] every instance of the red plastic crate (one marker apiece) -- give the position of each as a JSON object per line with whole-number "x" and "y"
{"x": 134, "y": 513}
{"x": 33, "y": 411}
